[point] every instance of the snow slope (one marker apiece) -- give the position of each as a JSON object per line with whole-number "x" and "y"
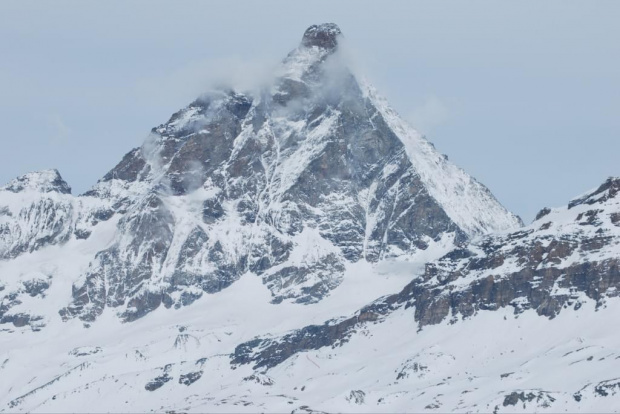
{"x": 180, "y": 361}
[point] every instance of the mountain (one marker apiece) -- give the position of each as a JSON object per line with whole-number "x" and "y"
{"x": 294, "y": 184}
{"x": 300, "y": 248}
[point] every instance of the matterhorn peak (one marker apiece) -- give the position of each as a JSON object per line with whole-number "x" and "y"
{"x": 322, "y": 35}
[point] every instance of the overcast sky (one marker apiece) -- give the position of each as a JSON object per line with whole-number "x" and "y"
{"x": 525, "y": 96}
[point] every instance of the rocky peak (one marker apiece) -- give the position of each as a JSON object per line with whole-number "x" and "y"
{"x": 312, "y": 174}
{"x": 45, "y": 181}
{"x": 609, "y": 189}
{"x": 322, "y": 35}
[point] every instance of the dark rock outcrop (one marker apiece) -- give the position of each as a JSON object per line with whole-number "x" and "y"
{"x": 323, "y": 35}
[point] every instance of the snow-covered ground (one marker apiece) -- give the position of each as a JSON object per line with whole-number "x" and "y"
{"x": 473, "y": 365}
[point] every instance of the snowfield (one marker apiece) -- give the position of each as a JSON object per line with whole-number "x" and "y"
{"x": 475, "y": 365}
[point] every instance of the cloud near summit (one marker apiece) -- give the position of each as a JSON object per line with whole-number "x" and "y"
{"x": 187, "y": 82}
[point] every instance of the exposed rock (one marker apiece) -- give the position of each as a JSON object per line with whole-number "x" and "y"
{"x": 411, "y": 367}
{"x": 189, "y": 378}
{"x": 36, "y": 287}
{"x": 542, "y": 213}
{"x": 261, "y": 379}
{"x": 531, "y": 269}
{"x": 85, "y": 351}
{"x": 356, "y": 397}
{"x": 158, "y": 382}
{"x": 45, "y": 220}
{"x": 609, "y": 189}
{"x": 606, "y": 388}
{"x": 542, "y": 398}
{"x": 323, "y": 35}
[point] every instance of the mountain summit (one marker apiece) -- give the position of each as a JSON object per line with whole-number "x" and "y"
{"x": 322, "y": 35}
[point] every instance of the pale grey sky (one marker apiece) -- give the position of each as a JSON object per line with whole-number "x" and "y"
{"x": 525, "y": 96}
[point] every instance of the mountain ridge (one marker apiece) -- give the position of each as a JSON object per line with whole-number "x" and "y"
{"x": 256, "y": 241}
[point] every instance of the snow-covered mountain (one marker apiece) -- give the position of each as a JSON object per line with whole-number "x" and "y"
{"x": 300, "y": 248}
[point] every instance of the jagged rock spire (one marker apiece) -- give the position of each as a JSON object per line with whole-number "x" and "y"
{"x": 322, "y": 35}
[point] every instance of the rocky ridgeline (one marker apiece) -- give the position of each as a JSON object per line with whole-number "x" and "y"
{"x": 564, "y": 258}
{"x": 37, "y": 210}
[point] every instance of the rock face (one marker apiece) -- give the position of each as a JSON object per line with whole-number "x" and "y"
{"x": 291, "y": 184}
{"x": 322, "y": 35}
{"x": 37, "y": 210}
{"x": 564, "y": 258}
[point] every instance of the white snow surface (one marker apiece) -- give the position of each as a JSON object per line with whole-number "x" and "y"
{"x": 470, "y": 366}
{"x": 41, "y": 181}
{"x": 467, "y": 202}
